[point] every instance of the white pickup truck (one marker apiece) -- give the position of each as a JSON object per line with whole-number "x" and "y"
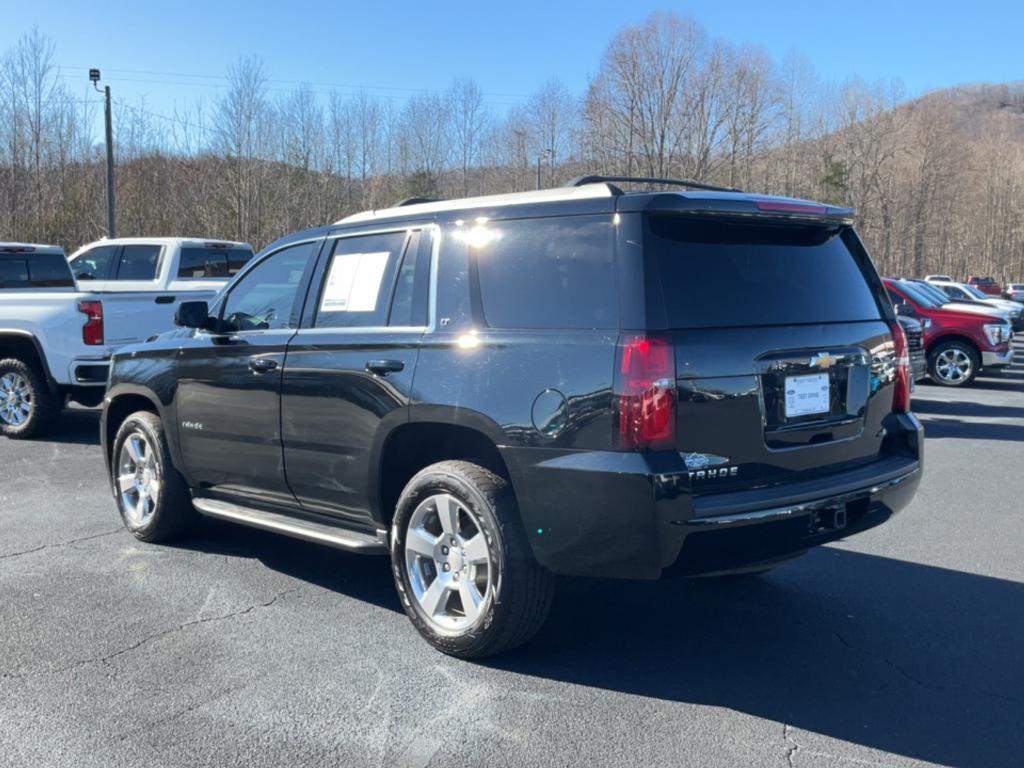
{"x": 57, "y": 332}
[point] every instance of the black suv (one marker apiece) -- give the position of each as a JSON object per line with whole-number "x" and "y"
{"x": 504, "y": 389}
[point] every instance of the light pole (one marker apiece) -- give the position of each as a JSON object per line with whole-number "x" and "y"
{"x": 94, "y": 77}
{"x": 543, "y": 156}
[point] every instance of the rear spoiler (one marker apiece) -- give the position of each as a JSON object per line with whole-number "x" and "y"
{"x": 739, "y": 206}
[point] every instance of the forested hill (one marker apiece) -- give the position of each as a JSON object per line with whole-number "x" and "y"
{"x": 937, "y": 181}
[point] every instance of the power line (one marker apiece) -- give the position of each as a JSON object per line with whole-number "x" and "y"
{"x": 330, "y": 85}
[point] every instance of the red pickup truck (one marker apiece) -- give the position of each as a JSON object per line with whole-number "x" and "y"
{"x": 958, "y": 342}
{"x": 986, "y": 285}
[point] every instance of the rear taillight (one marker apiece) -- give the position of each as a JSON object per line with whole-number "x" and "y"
{"x": 92, "y": 331}
{"x": 901, "y": 388}
{"x": 645, "y": 387}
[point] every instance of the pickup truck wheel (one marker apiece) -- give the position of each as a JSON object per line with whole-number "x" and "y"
{"x": 953, "y": 364}
{"x": 151, "y": 496}
{"x": 27, "y": 408}
{"x": 462, "y": 565}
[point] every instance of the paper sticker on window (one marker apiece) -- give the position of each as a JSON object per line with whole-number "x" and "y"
{"x": 353, "y": 283}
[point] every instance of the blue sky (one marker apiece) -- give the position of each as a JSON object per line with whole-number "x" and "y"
{"x": 510, "y": 48}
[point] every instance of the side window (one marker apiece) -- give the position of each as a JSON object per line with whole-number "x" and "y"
{"x": 412, "y": 290}
{"x": 138, "y": 262}
{"x": 267, "y": 298}
{"x": 546, "y": 273}
{"x": 96, "y": 263}
{"x": 357, "y": 284}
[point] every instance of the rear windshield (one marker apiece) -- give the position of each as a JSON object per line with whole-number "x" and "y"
{"x": 44, "y": 270}
{"x": 199, "y": 262}
{"x": 718, "y": 274}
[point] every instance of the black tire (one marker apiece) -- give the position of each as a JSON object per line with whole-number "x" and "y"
{"x": 45, "y": 407}
{"x": 520, "y": 590}
{"x": 957, "y": 348}
{"x": 172, "y": 514}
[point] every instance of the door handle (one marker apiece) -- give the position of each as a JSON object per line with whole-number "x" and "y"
{"x": 262, "y": 365}
{"x": 164, "y": 299}
{"x": 384, "y": 367}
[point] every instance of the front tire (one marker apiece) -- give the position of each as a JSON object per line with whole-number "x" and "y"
{"x": 953, "y": 363}
{"x": 27, "y": 407}
{"x": 462, "y": 565}
{"x": 151, "y": 496}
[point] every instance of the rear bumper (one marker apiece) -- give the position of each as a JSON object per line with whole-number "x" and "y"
{"x": 631, "y": 516}
{"x": 996, "y": 359}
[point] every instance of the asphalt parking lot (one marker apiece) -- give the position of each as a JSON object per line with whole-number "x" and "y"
{"x": 902, "y": 646}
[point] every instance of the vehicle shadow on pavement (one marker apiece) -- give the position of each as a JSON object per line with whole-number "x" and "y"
{"x": 363, "y": 577}
{"x": 896, "y": 656}
{"x": 963, "y": 408}
{"x": 76, "y": 427}
{"x": 935, "y": 428}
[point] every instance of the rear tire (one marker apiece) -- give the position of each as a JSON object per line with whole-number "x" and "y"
{"x": 953, "y": 363}
{"x": 152, "y": 497}
{"x": 457, "y": 541}
{"x": 27, "y": 406}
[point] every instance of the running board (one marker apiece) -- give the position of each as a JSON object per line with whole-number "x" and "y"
{"x": 341, "y": 538}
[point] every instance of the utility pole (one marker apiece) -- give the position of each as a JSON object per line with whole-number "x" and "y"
{"x": 541, "y": 157}
{"x": 94, "y": 77}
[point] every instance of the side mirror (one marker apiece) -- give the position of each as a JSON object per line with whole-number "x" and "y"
{"x": 192, "y": 314}
{"x": 904, "y": 310}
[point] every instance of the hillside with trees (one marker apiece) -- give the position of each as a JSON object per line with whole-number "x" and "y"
{"x": 937, "y": 181}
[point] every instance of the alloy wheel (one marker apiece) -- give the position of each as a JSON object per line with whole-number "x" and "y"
{"x": 448, "y": 563}
{"x": 138, "y": 479}
{"x": 954, "y": 366}
{"x": 15, "y": 399}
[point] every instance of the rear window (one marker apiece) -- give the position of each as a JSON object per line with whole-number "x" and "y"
{"x": 48, "y": 270}
{"x": 547, "y": 273}
{"x": 13, "y": 273}
{"x": 727, "y": 274}
{"x": 199, "y": 262}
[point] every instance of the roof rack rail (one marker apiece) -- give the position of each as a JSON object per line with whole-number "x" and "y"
{"x": 415, "y": 201}
{"x": 579, "y": 181}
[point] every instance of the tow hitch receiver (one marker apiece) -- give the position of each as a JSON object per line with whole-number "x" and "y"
{"x": 827, "y": 519}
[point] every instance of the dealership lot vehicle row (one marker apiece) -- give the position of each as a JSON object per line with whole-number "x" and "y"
{"x": 897, "y": 647}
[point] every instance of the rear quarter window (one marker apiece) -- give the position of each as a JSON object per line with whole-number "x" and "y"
{"x": 725, "y": 274}
{"x": 547, "y": 273}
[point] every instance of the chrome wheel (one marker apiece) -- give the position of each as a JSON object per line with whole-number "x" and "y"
{"x": 954, "y": 365}
{"x": 15, "y": 399}
{"x": 448, "y": 563}
{"x": 138, "y": 479}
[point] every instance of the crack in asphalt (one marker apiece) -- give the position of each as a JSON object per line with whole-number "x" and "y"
{"x": 792, "y": 747}
{"x": 60, "y": 543}
{"x": 916, "y": 680}
{"x": 107, "y": 658}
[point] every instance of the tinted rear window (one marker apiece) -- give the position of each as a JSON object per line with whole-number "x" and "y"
{"x": 13, "y": 273}
{"x": 199, "y": 262}
{"x": 726, "y": 274}
{"x": 548, "y": 273}
{"x": 48, "y": 270}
